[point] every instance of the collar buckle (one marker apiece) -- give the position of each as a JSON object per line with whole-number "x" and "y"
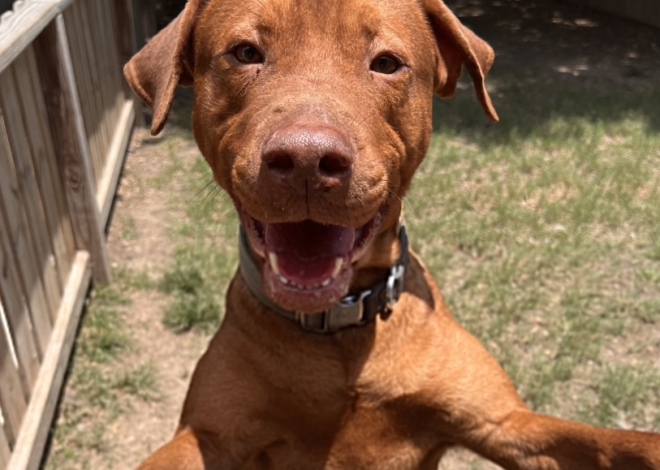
{"x": 317, "y": 322}
{"x": 394, "y": 286}
{"x": 349, "y": 311}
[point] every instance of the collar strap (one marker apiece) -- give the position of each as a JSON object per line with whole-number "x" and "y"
{"x": 353, "y": 310}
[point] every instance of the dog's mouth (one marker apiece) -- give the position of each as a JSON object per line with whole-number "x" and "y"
{"x": 308, "y": 265}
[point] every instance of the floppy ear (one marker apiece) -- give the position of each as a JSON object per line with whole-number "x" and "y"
{"x": 163, "y": 64}
{"x": 459, "y": 46}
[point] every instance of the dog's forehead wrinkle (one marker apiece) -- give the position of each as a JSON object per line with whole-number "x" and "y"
{"x": 308, "y": 18}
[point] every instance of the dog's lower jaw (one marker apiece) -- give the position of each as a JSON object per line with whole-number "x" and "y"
{"x": 305, "y": 300}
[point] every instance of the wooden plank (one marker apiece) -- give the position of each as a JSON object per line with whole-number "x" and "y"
{"x": 84, "y": 89}
{"x": 27, "y": 183}
{"x": 29, "y": 447}
{"x": 41, "y": 150}
{"x": 17, "y": 315}
{"x": 115, "y": 160}
{"x": 21, "y": 28}
{"x": 105, "y": 13}
{"x": 67, "y": 129}
{"x": 108, "y": 71}
{"x": 12, "y": 401}
{"x": 42, "y": 114}
{"x": 17, "y": 244}
{"x": 90, "y": 49}
{"x": 5, "y": 451}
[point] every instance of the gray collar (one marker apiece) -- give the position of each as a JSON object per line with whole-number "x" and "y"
{"x": 353, "y": 310}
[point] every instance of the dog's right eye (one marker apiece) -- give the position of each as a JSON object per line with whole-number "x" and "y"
{"x": 248, "y": 54}
{"x": 385, "y": 64}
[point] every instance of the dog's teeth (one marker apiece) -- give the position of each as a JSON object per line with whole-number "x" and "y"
{"x": 327, "y": 282}
{"x": 282, "y": 279}
{"x": 273, "y": 263}
{"x": 339, "y": 262}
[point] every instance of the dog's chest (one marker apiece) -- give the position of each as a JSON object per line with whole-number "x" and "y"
{"x": 390, "y": 436}
{"x": 380, "y": 440}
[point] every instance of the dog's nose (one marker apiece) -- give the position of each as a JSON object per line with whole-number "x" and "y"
{"x": 312, "y": 152}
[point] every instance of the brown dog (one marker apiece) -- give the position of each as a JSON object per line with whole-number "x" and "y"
{"x": 314, "y": 116}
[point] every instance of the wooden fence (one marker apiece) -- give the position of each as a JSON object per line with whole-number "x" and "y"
{"x": 65, "y": 121}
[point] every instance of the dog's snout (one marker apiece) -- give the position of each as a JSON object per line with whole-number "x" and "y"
{"x": 302, "y": 152}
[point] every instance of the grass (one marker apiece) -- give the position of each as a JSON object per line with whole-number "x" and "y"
{"x": 205, "y": 254}
{"x": 542, "y": 232}
{"x": 98, "y": 382}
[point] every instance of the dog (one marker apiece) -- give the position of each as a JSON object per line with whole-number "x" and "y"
{"x": 337, "y": 350}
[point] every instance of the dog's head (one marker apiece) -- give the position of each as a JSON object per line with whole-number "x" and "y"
{"x": 313, "y": 116}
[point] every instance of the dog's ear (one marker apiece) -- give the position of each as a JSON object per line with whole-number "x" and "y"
{"x": 163, "y": 64}
{"x": 459, "y": 46}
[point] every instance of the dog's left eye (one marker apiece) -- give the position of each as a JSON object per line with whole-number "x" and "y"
{"x": 248, "y": 54}
{"x": 385, "y": 64}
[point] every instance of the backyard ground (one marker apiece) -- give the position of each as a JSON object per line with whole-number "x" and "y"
{"x": 543, "y": 232}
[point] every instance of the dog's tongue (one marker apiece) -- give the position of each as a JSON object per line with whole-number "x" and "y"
{"x": 308, "y": 253}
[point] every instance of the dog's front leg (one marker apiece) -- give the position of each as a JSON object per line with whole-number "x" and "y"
{"x": 531, "y": 441}
{"x": 480, "y": 410}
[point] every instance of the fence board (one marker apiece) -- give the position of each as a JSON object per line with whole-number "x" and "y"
{"x": 27, "y": 184}
{"x": 84, "y": 89}
{"x": 95, "y": 93}
{"x": 42, "y": 114}
{"x": 62, "y": 103}
{"x": 5, "y": 451}
{"x": 24, "y": 26}
{"x": 116, "y": 156}
{"x": 16, "y": 313}
{"x": 111, "y": 66}
{"x": 17, "y": 245}
{"x": 12, "y": 401}
{"x": 96, "y": 34}
{"x": 29, "y": 448}
{"x": 41, "y": 159}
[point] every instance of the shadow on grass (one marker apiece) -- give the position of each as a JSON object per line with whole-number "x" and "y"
{"x": 555, "y": 61}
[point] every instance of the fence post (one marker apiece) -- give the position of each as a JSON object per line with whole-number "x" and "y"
{"x": 63, "y": 105}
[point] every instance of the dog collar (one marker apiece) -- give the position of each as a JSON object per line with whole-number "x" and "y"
{"x": 352, "y": 310}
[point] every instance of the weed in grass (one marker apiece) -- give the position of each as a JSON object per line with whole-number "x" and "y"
{"x": 134, "y": 279}
{"x": 169, "y": 168}
{"x": 193, "y": 303}
{"x": 128, "y": 229}
{"x": 624, "y": 395}
{"x": 649, "y": 310}
{"x": 101, "y": 333}
{"x": 140, "y": 382}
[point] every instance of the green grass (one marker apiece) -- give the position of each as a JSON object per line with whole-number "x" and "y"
{"x": 542, "y": 232}
{"x": 98, "y": 380}
{"x": 205, "y": 254}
